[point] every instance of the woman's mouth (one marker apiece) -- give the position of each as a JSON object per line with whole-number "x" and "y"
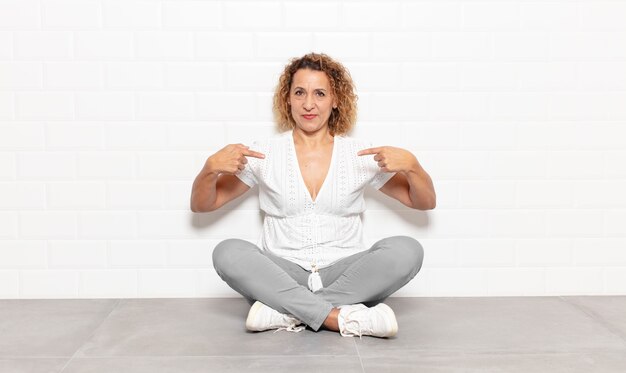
{"x": 310, "y": 116}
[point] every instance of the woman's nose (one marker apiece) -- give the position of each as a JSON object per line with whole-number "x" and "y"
{"x": 309, "y": 103}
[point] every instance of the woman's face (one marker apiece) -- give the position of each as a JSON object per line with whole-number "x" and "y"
{"x": 311, "y": 99}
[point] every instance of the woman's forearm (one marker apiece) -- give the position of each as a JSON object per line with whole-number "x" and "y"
{"x": 204, "y": 191}
{"x": 421, "y": 189}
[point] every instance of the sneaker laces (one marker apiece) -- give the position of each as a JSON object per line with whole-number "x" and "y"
{"x": 357, "y": 329}
{"x": 292, "y": 324}
{"x": 291, "y": 328}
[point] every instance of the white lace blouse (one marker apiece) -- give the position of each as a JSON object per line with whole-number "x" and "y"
{"x": 312, "y": 233}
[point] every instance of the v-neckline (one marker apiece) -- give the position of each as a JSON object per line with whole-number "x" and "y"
{"x": 297, "y": 165}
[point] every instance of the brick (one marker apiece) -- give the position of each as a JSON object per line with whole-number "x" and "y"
{"x": 579, "y": 224}
{"x": 9, "y": 284}
{"x": 8, "y": 169}
{"x": 133, "y": 75}
{"x": 76, "y": 195}
{"x": 105, "y": 105}
{"x": 135, "y": 195}
{"x": 224, "y": 45}
{"x": 15, "y": 136}
{"x": 133, "y": 15}
{"x": 64, "y": 136}
{"x": 585, "y": 45}
{"x": 458, "y": 281}
{"x": 166, "y": 166}
{"x": 487, "y": 253}
{"x": 429, "y": 76}
{"x": 163, "y": 45}
{"x": 103, "y": 45}
{"x": 73, "y": 75}
{"x": 38, "y": 284}
{"x": 541, "y": 16}
{"x": 109, "y": 283}
{"x": 135, "y": 135}
{"x": 490, "y": 16}
{"x": 392, "y": 46}
{"x": 22, "y": 196}
{"x": 432, "y": 16}
{"x": 209, "y": 76}
{"x": 248, "y": 15}
{"x": 252, "y": 77}
{"x": 46, "y": 166}
{"x": 334, "y": 45}
{"x": 44, "y": 105}
{"x": 225, "y": 106}
{"x": 281, "y": 46}
{"x": 320, "y": 16}
{"x": 544, "y": 252}
{"x": 20, "y": 14}
{"x": 520, "y": 106}
{"x": 137, "y": 254}
{"x": 43, "y": 45}
{"x": 371, "y": 15}
{"x": 574, "y": 281}
{"x": 77, "y": 254}
{"x": 67, "y": 14}
{"x": 47, "y": 225}
{"x": 470, "y": 46}
{"x": 20, "y": 75}
{"x": 516, "y": 282}
{"x": 602, "y": 16}
{"x": 191, "y": 253}
{"x": 517, "y": 223}
{"x": 487, "y": 194}
{"x": 166, "y": 283}
{"x": 545, "y": 194}
{"x": 159, "y": 106}
{"x": 198, "y": 136}
{"x": 7, "y": 105}
{"x": 106, "y": 165}
{"x": 547, "y": 76}
{"x": 22, "y": 254}
{"x": 107, "y": 225}
{"x": 192, "y": 15}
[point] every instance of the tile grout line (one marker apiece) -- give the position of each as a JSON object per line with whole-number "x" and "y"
{"x": 599, "y": 319}
{"x": 90, "y": 335}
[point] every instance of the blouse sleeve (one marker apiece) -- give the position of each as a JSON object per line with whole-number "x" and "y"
{"x": 377, "y": 177}
{"x": 249, "y": 174}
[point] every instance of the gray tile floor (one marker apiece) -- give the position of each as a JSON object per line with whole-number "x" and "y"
{"x": 508, "y": 334}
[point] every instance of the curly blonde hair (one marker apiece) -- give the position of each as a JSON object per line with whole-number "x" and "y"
{"x": 342, "y": 118}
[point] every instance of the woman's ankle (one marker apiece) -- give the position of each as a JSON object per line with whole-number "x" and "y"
{"x": 331, "y": 322}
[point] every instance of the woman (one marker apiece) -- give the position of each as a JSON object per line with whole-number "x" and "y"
{"x": 311, "y": 266}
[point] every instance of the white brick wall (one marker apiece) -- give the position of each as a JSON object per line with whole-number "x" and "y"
{"x": 109, "y": 108}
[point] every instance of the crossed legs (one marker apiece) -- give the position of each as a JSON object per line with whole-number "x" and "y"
{"x": 367, "y": 277}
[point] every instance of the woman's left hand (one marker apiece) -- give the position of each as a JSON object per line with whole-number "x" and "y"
{"x": 392, "y": 159}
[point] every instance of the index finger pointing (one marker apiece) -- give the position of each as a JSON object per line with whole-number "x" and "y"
{"x": 369, "y": 151}
{"x": 252, "y": 153}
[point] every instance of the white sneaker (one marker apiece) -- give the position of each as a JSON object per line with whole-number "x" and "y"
{"x": 262, "y": 317}
{"x": 357, "y": 319}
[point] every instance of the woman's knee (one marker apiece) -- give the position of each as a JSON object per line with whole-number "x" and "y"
{"x": 228, "y": 252}
{"x": 408, "y": 251}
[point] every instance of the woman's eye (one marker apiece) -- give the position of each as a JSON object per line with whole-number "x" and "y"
{"x": 298, "y": 93}
{"x": 321, "y": 94}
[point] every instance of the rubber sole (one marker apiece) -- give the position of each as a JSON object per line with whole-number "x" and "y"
{"x": 252, "y": 314}
{"x": 390, "y": 316}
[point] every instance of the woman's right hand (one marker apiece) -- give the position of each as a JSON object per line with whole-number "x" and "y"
{"x": 231, "y": 159}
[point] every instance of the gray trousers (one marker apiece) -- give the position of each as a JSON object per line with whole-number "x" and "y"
{"x": 367, "y": 277}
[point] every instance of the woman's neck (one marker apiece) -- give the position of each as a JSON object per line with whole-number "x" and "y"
{"x": 315, "y": 139}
